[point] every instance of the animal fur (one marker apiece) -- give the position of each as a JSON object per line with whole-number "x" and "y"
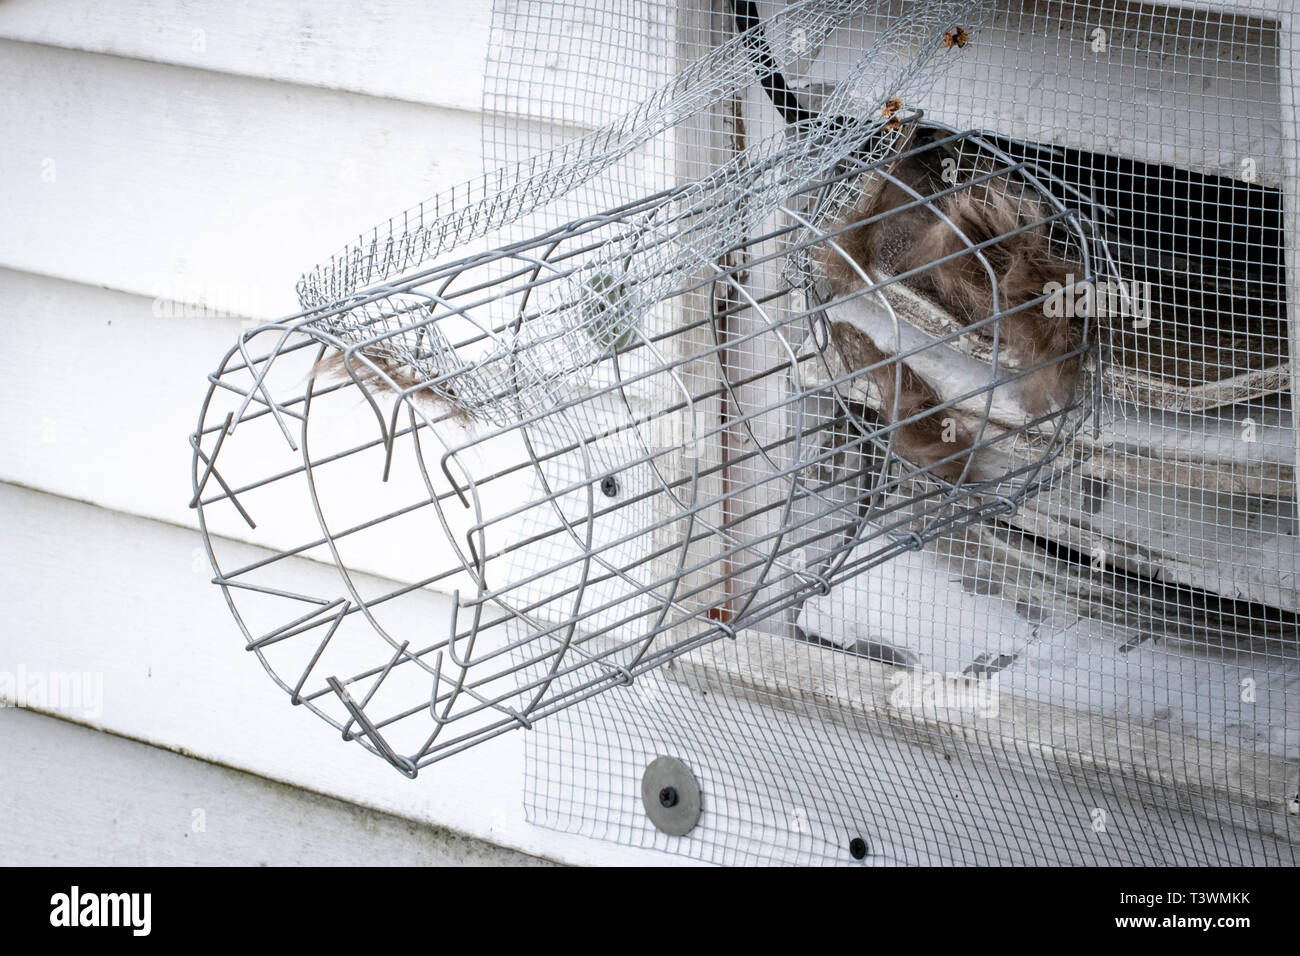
{"x": 920, "y": 442}
{"x": 440, "y": 399}
{"x": 915, "y": 239}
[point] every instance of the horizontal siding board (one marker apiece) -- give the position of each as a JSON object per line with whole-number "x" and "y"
{"x": 73, "y": 797}
{"x": 429, "y": 53}
{"x": 167, "y": 181}
{"x": 100, "y": 394}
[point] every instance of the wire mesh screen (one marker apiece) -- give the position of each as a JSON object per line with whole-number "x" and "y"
{"x": 881, "y": 407}
{"x": 1106, "y": 674}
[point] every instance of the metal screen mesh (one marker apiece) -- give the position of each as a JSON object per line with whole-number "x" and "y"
{"x": 1135, "y": 625}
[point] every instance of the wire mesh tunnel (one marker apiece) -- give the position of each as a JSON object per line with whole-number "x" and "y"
{"x": 602, "y": 419}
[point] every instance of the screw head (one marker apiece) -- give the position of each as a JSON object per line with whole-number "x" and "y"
{"x": 609, "y": 486}
{"x": 668, "y": 797}
{"x": 858, "y": 848}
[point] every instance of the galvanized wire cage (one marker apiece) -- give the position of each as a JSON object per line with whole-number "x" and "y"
{"x": 795, "y": 337}
{"x": 629, "y": 544}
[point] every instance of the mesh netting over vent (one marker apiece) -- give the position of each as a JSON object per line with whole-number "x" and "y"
{"x": 883, "y": 407}
{"x": 1119, "y": 655}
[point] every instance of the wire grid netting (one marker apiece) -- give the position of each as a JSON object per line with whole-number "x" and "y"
{"x": 1135, "y": 624}
{"x": 844, "y": 401}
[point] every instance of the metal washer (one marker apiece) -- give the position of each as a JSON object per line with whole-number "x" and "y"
{"x": 678, "y": 817}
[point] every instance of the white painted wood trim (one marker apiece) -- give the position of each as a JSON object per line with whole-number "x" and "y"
{"x": 1157, "y": 763}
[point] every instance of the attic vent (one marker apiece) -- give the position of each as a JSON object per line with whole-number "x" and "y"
{"x": 1138, "y": 618}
